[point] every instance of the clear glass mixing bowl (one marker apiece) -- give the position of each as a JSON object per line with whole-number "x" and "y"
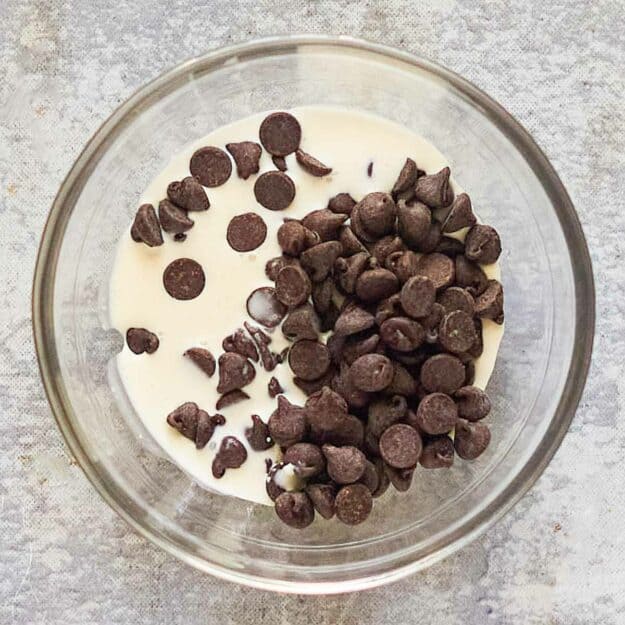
{"x": 540, "y": 371}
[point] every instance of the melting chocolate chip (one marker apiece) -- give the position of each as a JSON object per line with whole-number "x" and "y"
{"x": 457, "y": 298}
{"x": 350, "y": 242}
{"x": 376, "y": 212}
{"x": 279, "y": 163}
{"x": 273, "y": 265}
{"x": 376, "y": 284}
{"x": 348, "y": 270}
{"x": 353, "y": 319}
{"x": 385, "y": 412}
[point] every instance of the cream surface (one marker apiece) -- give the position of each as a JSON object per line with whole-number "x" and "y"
{"x": 155, "y": 384}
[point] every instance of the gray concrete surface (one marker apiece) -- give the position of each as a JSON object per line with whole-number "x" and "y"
{"x": 558, "y": 557}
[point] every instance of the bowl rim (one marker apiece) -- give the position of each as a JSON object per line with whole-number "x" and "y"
{"x": 60, "y": 213}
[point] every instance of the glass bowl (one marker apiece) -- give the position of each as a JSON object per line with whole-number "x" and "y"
{"x": 540, "y": 371}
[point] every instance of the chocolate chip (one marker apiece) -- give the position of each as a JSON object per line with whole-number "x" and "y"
{"x": 407, "y": 177}
{"x": 353, "y": 504}
{"x": 370, "y": 169}
{"x": 329, "y": 420}
{"x": 435, "y": 190}
{"x": 450, "y": 247}
{"x": 345, "y": 465}
{"x": 457, "y": 332}
{"x": 301, "y": 323}
{"x": 431, "y": 240}
{"x": 357, "y": 226}
{"x": 294, "y": 238}
{"x": 442, "y": 373}
{"x": 211, "y": 166}
{"x": 274, "y": 190}
{"x": 436, "y": 414}
{"x": 287, "y": 424}
{"x": 489, "y": 305}
{"x": 350, "y": 242}
{"x": 271, "y": 486}
{"x": 235, "y": 372}
{"x": 173, "y": 219}
{"x": 347, "y": 270}
{"x": 202, "y": 358}
{"x": 383, "y": 481}
{"x": 310, "y": 387}
{"x": 189, "y": 194}
{"x": 413, "y": 222}
{"x": 309, "y": 360}
{"x": 471, "y": 439}
{"x": 402, "y": 383}
{"x": 432, "y": 322}
{"x": 342, "y": 203}
{"x": 402, "y": 334}
{"x": 264, "y": 307}
{"x": 482, "y": 245}
{"x": 417, "y": 296}
{"x": 145, "y": 227}
{"x": 325, "y": 223}
{"x": 246, "y": 155}
{"x": 387, "y": 308}
{"x": 274, "y": 387}
{"x": 194, "y": 423}
{"x": 460, "y": 214}
{"x": 306, "y": 458}
{"x": 357, "y": 346}
{"x": 319, "y": 260}
{"x": 401, "y": 479}
{"x": 371, "y": 373}
{"x": 376, "y": 284}
{"x": 473, "y": 403}
{"x": 322, "y": 497}
{"x": 385, "y": 412}
{"x": 140, "y": 340}
{"x": 402, "y": 264}
{"x": 293, "y": 286}
{"x": 241, "y": 344}
{"x": 470, "y": 276}
{"x": 456, "y": 298}
{"x": 386, "y": 246}
{"x": 311, "y": 164}
{"x": 279, "y": 163}
{"x": 258, "y": 435}
{"x": 328, "y": 318}
{"x": 400, "y": 446}
{"x": 353, "y": 319}
{"x": 273, "y": 265}
{"x": 280, "y": 133}
{"x": 295, "y": 510}
{"x": 438, "y": 453}
{"x": 438, "y": 268}
{"x": 343, "y": 385}
{"x": 184, "y": 279}
{"x": 206, "y": 425}
{"x": 262, "y": 340}
{"x": 231, "y": 398}
{"x": 322, "y": 295}
{"x": 246, "y": 232}
{"x": 376, "y": 213}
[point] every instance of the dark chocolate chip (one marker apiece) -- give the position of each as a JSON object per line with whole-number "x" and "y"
{"x": 322, "y": 497}
{"x": 264, "y": 307}
{"x": 438, "y": 453}
{"x": 489, "y": 305}
{"x": 352, "y": 320}
{"x": 417, "y": 296}
{"x": 301, "y": 323}
{"x": 295, "y": 510}
{"x": 231, "y": 398}
{"x": 438, "y": 268}
{"x": 435, "y": 190}
{"x": 246, "y": 155}
{"x": 357, "y": 346}
{"x": 274, "y": 387}
{"x": 432, "y": 322}
{"x": 376, "y": 284}
{"x": 273, "y": 265}
{"x": 442, "y": 373}
{"x": 456, "y": 332}
{"x": 335, "y": 345}
{"x": 145, "y": 227}
{"x": 280, "y": 133}
{"x": 180, "y": 237}
{"x": 376, "y": 213}
{"x": 262, "y": 340}
{"x": 309, "y": 360}
{"x": 306, "y": 458}
{"x": 279, "y": 163}
{"x": 235, "y": 372}
{"x": 473, "y": 403}
{"x": 387, "y": 308}
{"x": 347, "y": 270}
{"x": 319, "y": 260}
{"x": 173, "y": 219}
{"x": 370, "y": 169}
{"x": 274, "y": 190}
{"x": 385, "y": 412}
{"x": 202, "y": 358}
{"x": 383, "y": 481}
{"x": 386, "y": 246}
{"x": 430, "y": 242}
{"x": 400, "y": 446}
{"x": 330, "y": 422}
{"x": 206, "y": 425}
{"x": 357, "y": 226}
{"x": 402, "y": 334}
{"x": 241, "y": 344}
{"x": 371, "y": 373}
{"x": 184, "y": 279}
{"x": 457, "y": 298}
{"x": 460, "y": 214}
{"x": 287, "y": 423}
{"x": 471, "y": 439}
{"x": 328, "y": 318}
{"x": 470, "y": 375}
{"x": 189, "y": 194}
{"x": 370, "y": 477}
{"x": 345, "y": 465}
{"x": 294, "y": 238}
{"x": 311, "y": 164}
{"x": 402, "y": 264}
{"x": 343, "y": 385}
{"x": 293, "y": 286}
{"x": 211, "y": 166}
{"x": 322, "y": 295}
{"x": 482, "y": 244}
{"x": 402, "y": 383}
{"x": 407, "y": 177}
{"x": 350, "y": 242}
{"x": 194, "y": 423}
{"x": 436, "y": 414}
{"x": 140, "y": 340}
{"x": 246, "y": 232}
{"x": 310, "y": 387}
{"x": 271, "y": 486}
{"x": 325, "y": 223}
{"x": 470, "y": 276}
{"x": 401, "y": 479}
{"x": 342, "y": 203}
{"x": 413, "y": 222}
{"x": 450, "y": 247}
{"x": 258, "y": 435}
{"x": 353, "y": 504}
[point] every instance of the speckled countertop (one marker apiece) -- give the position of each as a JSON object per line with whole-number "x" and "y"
{"x": 65, "y": 557}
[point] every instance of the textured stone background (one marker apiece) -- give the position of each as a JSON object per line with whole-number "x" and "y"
{"x": 558, "y": 557}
